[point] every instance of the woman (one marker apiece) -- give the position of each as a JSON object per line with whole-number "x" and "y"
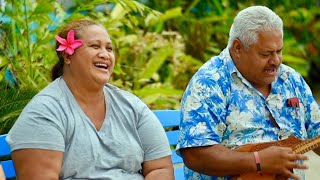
{"x": 80, "y": 127}
{"x": 2, "y": 177}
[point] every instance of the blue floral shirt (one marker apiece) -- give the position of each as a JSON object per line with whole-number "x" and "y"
{"x": 220, "y": 106}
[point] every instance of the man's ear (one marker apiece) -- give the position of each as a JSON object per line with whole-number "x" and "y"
{"x": 237, "y": 46}
{"x": 235, "y": 50}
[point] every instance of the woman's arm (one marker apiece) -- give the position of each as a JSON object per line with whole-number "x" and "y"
{"x": 157, "y": 162}
{"x": 2, "y": 177}
{"x": 158, "y": 169}
{"x": 37, "y": 164}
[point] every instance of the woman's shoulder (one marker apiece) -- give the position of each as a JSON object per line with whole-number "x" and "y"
{"x": 120, "y": 96}
{"x": 52, "y": 93}
{"x": 116, "y": 90}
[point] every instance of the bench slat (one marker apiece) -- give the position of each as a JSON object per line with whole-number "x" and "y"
{"x": 4, "y": 146}
{"x": 178, "y": 173}
{"x": 173, "y": 137}
{"x": 175, "y": 158}
{"x": 8, "y": 169}
{"x": 170, "y": 120}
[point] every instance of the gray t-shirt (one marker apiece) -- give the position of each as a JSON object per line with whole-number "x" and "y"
{"x": 130, "y": 134}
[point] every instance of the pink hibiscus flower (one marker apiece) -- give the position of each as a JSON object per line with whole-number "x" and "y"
{"x": 70, "y": 44}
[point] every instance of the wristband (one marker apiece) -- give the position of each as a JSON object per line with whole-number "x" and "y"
{"x": 258, "y": 162}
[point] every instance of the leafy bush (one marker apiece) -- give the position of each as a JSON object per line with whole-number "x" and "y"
{"x": 146, "y": 59}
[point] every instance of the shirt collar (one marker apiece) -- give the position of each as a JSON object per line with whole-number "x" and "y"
{"x": 226, "y": 57}
{"x": 233, "y": 71}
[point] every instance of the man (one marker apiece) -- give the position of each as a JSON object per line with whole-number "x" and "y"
{"x": 244, "y": 96}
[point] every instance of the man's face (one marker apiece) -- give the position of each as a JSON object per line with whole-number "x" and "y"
{"x": 259, "y": 63}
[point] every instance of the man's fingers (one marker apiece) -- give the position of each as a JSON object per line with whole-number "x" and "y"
{"x": 296, "y": 165}
{"x": 295, "y": 157}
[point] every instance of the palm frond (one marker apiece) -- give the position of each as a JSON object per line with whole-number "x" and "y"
{"x": 12, "y": 101}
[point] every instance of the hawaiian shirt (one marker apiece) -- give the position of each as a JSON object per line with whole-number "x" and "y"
{"x": 220, "y": 106}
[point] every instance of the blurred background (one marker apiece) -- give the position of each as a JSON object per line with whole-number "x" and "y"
{"x": 159, "y": 45}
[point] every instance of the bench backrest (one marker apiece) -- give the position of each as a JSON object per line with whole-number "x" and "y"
{"x": 7, "y": 165}
{"x": 169, "y": 119}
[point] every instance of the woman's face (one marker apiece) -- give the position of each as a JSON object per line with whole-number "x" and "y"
{"x": 94, "y": 61}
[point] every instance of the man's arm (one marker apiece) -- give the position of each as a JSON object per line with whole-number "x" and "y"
{"x": 37, "y": 164}
{"x": 217, "y": 160}
{"x": 159, "y": 169}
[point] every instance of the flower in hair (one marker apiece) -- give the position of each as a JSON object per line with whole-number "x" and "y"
{"x": 70, "y": 44}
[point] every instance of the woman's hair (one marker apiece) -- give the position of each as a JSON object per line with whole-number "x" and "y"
{"x": 77, "y": 26}
{"x": 252, "y": 20}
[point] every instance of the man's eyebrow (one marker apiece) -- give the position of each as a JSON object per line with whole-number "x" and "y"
{"x": 280, "y": 48}
{"x": 270, "y": 51}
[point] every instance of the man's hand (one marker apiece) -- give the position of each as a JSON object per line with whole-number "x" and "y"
{"x": 281, "y": 161}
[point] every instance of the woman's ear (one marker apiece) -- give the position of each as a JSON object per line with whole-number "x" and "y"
{"x": 66, "y": 58}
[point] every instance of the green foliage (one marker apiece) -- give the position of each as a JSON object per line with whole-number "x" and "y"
{"x": 11, "y": 104}
{"x": 146, "y": 60}
{"x": 25, "y": 41}
{"x": 205, "y": 24}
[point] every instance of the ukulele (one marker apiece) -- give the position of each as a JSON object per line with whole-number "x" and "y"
{"x": 298, "y": 147}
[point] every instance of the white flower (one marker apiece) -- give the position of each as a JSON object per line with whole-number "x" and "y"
{"x": 315, "y": 114}
{"x": 284, "y": 76}
{"x": 195, "y": 176}
{"x": 238, "y": 83}
{"x": 275, "y": 101}
{"x": 221, "y": 127}
{"x": 202, "y": 91}
{"x": 238, "y": 119}
{"x": 192, "y": 103}
{"x": 200, "y": 128}
{"x": 216, "y": 76}
{"x": 250, "y": 104}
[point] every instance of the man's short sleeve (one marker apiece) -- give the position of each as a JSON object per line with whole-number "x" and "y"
{"x": 203, "y": 109}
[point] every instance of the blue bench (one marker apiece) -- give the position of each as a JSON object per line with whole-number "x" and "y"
{"x": 169, "y": 119}
{"x": 7, "y": 165}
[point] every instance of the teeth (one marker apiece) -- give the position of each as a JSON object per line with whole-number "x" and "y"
{"x": 101, "y": 65}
